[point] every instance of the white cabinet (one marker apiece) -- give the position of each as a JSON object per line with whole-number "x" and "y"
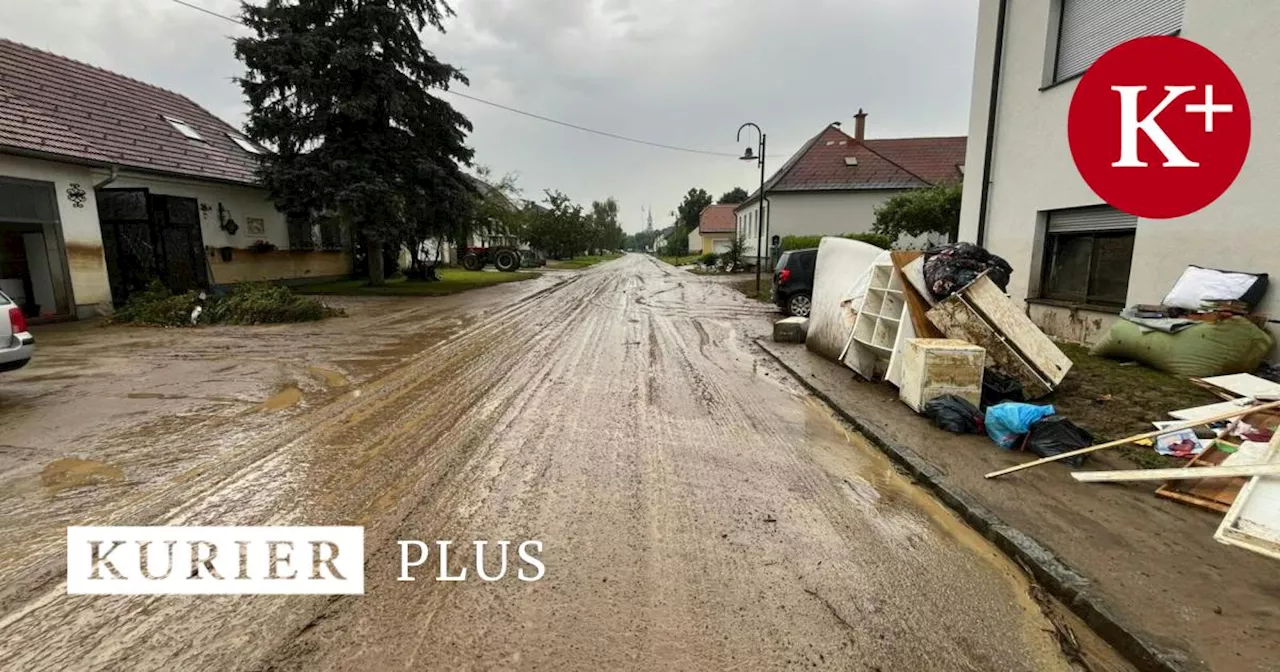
{"x": 932, "y": 367}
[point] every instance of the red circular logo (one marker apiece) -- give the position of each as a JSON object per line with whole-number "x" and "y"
{"x": 1159, "y": 127}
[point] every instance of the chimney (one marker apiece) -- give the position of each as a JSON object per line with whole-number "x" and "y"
{"x": 860, "y": 127}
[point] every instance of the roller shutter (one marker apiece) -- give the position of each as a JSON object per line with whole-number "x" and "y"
{"x": 1100, "y": 218}
{"x": 1090, "y": 27}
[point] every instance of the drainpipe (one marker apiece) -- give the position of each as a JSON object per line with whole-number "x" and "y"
{"x": 989, "y": 150}
{"x": 115, "y": 175}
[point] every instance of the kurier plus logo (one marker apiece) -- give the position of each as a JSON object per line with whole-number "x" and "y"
{"x": 1159, "y": 127}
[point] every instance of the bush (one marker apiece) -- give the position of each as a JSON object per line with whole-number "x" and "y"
{"x": 809, "y": 242}
{"x": 709, "y": 259}
{"x": 157, "y": 306}
{"x": 244, "y": 304}
{"x": 264, "y": 304}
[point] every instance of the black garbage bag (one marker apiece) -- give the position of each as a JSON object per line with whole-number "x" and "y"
{"x": 953, "y": 267}
{"x": 1056, "y": 435}
{"x": 998, "y": 388}
{"x": 954, "y": 414}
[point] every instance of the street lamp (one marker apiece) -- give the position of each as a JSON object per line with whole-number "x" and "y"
{"x": 749, "y": 156}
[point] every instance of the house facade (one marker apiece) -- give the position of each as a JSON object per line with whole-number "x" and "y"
{"x": 835, "y": 182}
{"x": 107, "y": 184}
{"x": 716, "y": 226}
{"x": 1078, "y": 262}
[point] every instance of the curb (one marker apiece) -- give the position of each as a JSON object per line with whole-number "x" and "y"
{"x": 1067, "y": 585}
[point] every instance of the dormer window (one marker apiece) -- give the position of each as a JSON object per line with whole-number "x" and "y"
{"x": 182, "y": 127}
{"x": 245, "y": 144}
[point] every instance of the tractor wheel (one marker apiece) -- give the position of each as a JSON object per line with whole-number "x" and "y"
{"x": 472, "y": 261}
{"x": 507, "y": 261}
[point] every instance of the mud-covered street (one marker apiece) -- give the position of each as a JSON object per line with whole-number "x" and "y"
{"x": 697, "y": 510}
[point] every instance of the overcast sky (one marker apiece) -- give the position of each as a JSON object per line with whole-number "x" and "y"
{"x": 677, "y": 72}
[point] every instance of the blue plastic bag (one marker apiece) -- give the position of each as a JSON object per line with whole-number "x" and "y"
{"x": 1006, "y": 422}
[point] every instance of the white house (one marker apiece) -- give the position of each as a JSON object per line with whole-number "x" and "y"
{"x": 1076, "y": 261}
{"x": 107, "y": 183}
{"x": 835, "y": 182}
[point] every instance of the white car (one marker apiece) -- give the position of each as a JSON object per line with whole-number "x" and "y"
{"x": 16, "y": 343}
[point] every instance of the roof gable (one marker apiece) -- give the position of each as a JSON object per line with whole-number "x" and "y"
{"x": 58, "y": 106}
{"x": 717, "y": 219}
{"x": 834, "y": 161}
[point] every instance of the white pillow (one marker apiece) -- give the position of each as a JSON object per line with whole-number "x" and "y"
{"x": 1198, "y": 285}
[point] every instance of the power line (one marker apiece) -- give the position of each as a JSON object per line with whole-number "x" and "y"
{"x": 210, "y": 12}
{"x": 508, "y": 108}
{"x": 606, "y": 134}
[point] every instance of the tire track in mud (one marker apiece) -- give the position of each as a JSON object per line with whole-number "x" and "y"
{"x": 695, "y": 509}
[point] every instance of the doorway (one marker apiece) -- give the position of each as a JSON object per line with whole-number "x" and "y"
{"x": 147, "y": 237}
{"x": 33, "y": 268}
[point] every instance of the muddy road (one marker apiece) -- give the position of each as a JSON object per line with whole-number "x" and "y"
{"x": 697, "y": 510}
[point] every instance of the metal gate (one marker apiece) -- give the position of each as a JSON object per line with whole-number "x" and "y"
{"x": 146, "y": 237}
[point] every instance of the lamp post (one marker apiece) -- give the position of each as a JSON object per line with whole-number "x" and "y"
{"x": 748, "y": 156}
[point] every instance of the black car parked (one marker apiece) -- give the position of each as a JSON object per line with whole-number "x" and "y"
{"x": 793, "y": 281}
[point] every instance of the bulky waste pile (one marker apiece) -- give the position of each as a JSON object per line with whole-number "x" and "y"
{"x": 938, "y": 326}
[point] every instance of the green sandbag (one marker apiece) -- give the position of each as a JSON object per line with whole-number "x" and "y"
{"x": 1231, "y": 346}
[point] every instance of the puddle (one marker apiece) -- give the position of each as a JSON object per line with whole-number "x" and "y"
{"x": 281, "y": 400}
{"x": 74, "y": 472}
{"x": 329, "y": 376}
{"x": 147, "y": 395}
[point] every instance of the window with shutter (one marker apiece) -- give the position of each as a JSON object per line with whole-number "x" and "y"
{"x": 1088, "y": 28}
{"x": 1088, "y": 254}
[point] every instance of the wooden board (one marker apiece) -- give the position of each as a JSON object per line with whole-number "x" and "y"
{"x": 957, "y": 320}
{"x": 1209, "y": 410}
{"x": 1215, "y": 494}
{"x": 1026, "y": 337}
{"x": 1253, "y": 522}
{"x": 1127, "y": 475}
{"x": 917, "y": 305}
{"x": 1244, "y": 385}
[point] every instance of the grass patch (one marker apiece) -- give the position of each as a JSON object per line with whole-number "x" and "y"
{"x": 748, "y": 288}
{"x": 682, "y": 261}
{"x": 581, "y": 262}
{"x": 1113, "y": 400}
{"x": 452, "y": 281}
{"x": 249, "y": 303}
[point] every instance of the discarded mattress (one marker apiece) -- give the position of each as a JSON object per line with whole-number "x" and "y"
{"x": 841, "y": 264}
{"x": 1207, "y": 349}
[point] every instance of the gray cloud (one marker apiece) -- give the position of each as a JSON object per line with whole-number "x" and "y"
{"x": 681, "y": 72}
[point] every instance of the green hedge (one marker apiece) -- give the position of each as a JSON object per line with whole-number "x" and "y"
{"x": 808, "y": 242}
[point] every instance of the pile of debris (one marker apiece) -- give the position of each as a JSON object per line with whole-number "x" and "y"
{"x": 1205, "y": 326}
{"x": 939, "y": 326}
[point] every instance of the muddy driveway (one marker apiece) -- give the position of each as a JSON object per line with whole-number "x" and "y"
{"x": 696, "y": 509}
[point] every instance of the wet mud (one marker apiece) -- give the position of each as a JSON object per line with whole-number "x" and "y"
{"x": 697, "y": 510}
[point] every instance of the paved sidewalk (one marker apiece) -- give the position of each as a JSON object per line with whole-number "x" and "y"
{"x": 1143, "y": 571}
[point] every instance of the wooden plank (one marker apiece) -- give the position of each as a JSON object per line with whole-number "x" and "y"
{"x": 1131, "y": 439}
{"x": 917, "y": 305}
{"x": 957, "y": 320}
{"x": 1195, "y": 500}
{"x": 1237, "y": 471}
{"x": 1026, "y": 337}
{"x": 1243, "y": 385}
{"x": 1253, "y": 522}
{"x": 1209, "y": 410}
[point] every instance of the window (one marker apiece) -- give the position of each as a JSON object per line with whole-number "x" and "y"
{"x": 182, "y": 127}
{"x": 1087, "y": 256}
{"x": 1088, "y": 28}
{"x": 244, "y": 144}
{"x": 302, "y": 235}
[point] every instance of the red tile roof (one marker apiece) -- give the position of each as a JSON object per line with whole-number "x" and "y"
{"x": 822, "y": 164}
{"x": 57, "y": 106}
{"x": 718, "y": 219}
